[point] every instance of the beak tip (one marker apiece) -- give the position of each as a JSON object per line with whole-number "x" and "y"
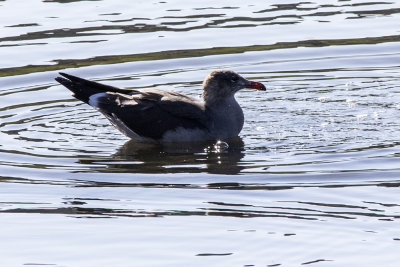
{"x": 256, "y": 85}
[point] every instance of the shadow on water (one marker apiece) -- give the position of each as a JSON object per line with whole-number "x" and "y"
{"x": 208, "y": 157}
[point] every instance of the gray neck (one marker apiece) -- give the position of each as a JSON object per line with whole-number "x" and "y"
{"x": 226, "y": 117}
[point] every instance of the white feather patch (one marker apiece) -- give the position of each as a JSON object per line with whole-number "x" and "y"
{"x": 94, "y": 99}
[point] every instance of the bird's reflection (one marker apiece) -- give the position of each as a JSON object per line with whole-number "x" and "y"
{"x": 220, "y": 157}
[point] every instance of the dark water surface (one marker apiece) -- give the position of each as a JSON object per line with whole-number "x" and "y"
{"x": 313, "y": 179}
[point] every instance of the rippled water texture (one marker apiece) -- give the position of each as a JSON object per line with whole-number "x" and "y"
{"x": 313, "y": 178}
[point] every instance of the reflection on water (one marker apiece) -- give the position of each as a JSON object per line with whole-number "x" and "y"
{"x": 126, "y": 33}
{"x": 81, "y": 207}
{"x": 135, "y": 157}
{"x": 313, "y": 179}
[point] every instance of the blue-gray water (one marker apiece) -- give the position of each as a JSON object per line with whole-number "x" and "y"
{"x": 313, "y": 179}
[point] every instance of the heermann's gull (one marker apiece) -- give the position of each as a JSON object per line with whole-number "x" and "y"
{"x": 165, "y": 116}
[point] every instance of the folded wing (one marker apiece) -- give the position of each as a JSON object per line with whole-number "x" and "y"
{"x": 148, "y": 113}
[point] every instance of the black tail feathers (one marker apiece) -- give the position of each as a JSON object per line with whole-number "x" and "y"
{"x": 82, "y": 89}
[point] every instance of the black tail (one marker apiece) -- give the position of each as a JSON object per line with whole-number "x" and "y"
{"x": 82, "y": 89}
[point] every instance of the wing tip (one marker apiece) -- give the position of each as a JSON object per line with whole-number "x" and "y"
{"x": 67, "y": 83}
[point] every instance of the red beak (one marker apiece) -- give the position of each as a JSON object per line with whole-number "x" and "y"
{"x": 256, "y": 85}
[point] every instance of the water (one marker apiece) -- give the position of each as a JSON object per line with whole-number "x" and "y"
{"x": 313, "y": 179}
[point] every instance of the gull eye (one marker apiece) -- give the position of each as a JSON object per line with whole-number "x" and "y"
{"x": 234, "y": 79}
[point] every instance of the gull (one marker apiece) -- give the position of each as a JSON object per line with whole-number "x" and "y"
{"x": 153, "y": 115}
